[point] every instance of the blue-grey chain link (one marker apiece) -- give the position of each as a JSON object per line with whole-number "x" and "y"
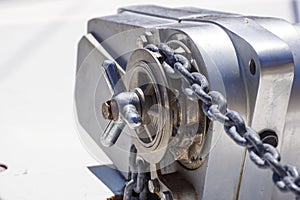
{"x": 214, "y": 105}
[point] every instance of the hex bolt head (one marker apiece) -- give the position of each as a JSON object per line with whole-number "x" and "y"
{"x": 153, "y": 186}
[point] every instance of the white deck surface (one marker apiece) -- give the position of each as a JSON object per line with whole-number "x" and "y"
{"x": 38, "y": 139}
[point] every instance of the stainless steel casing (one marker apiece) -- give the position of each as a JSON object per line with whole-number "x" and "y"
{"x": 223, "y": 45}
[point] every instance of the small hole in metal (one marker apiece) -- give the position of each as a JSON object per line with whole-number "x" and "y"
{"x": 252, "y": 67}
{"x": 269, "y": 137}
{"x": 3, "y": 168}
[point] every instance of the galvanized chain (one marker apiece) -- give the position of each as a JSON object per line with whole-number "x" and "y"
{"x": 195, "y": 86}
{"x": 138, "y": 179}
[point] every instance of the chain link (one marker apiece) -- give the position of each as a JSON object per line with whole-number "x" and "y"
{"x": 138, "y": 179}
{"x": 196, "y": 87}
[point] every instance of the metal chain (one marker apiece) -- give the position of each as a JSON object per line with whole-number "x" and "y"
{"x": 137, "y": 183}
{"x": 195, "y": 86}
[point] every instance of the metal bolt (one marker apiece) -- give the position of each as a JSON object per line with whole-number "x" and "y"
{"x": 106, "y": 110}
{"x": 110, "y": 110}
{"x": 153, "y": 186}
